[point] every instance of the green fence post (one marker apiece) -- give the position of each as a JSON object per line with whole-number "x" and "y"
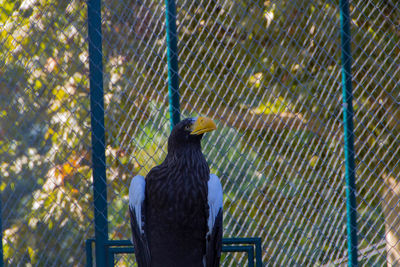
{"x": 172, "y": 53}
{"x": 1, "y": 241}
{"x": 348, "y": 133}
{"x": 89, "y": 257}
{"x": 98, "y": 131}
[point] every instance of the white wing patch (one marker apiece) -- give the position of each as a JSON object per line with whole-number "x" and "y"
{"x": 215, "y": 200}
{"x": 136, "y": 198}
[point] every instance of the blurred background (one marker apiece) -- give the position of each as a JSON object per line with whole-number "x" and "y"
{"x": 268, "y": 72}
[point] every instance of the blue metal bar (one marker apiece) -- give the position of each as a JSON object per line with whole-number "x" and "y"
{"x": 89, "y": 256}
{"x": 241, "y": 240}
{"x": 248, "y": 249}
{"x": 98, "y": 135}
{"x": 125, "y": 246}
{"x": 1, "y": 241}
{"x": 110, "y": 258}
{"x": 237, "y": 240}
{"x": 258, "y": 252}
{"x": 248, "y": 240}
{"x": 173, "y": 71}
{"x": 128, "y": 250}
{"x": 118, "y": 243}
{"x": 123, "y": 250}
{"x": 348, "y": 133}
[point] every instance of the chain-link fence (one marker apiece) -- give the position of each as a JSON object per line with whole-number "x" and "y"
{"x": 44, "y": 133}
{"x": 267, "y": 71}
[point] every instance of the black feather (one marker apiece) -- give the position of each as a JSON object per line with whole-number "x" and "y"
{"x": 140, "y": 243}
{"x": 214, "y": 244}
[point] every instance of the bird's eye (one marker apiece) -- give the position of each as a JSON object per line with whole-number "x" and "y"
{"x": 188, "y": 127}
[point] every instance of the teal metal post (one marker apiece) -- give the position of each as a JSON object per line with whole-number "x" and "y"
{"x": 348, "y": 134}
{"x": 1, "y": 241}
{"x": 98, "y": 132}
{"x": 248, "y": 249}
{"x": 89, "y": 258}
{"x": 173, "y": 71}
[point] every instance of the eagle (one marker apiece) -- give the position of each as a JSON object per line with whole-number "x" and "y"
{"x": 176, "y": 211}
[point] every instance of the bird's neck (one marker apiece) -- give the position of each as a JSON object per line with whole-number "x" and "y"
{"x": 189, "y": 158}
{"x": 180, "y": 150}
{"x": 185, "y": 153}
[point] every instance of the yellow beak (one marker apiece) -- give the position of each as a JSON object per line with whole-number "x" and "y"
{"x": 203, "y": 125}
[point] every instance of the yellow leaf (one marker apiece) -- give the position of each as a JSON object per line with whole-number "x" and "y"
{"x": 256, "y": 79}
{"x": 68, "y": 168}
{"x": 31, "y": 252}
{"x": 313, "y": 161}
{"x": 8, "y": 251}
{"x": 2, "y": 186}
{"x": 49, "y": 133}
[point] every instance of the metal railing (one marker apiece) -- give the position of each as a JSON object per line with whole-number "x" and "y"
{"x": 250, "y": 246}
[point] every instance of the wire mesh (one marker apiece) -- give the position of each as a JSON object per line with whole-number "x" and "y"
{"x": 44, "y": 140}
{"x": 124, "y": 261}
{"x": 267, "y": 71}
{"x": 376, "y": 86}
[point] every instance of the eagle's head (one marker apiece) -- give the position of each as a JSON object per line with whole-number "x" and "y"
{"x": 188, "y": 133}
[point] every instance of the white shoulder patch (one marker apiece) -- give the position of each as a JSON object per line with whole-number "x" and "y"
{"x": 136, "y": 197}
{"x": 215, "y": 200}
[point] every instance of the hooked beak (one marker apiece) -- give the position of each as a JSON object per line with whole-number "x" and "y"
{"x": 203, "y": 125}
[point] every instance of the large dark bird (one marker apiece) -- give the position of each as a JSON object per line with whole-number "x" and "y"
{"x": 176, "y": 212}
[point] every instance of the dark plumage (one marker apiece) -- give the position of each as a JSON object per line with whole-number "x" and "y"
{"x": 180, "y": 215}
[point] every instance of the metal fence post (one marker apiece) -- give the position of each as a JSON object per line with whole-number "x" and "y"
{"x": 98, "y": 131}
{"x": 348, "y": 133}
{"x": 172, "y": 53}
{"x": 1, "y": 241}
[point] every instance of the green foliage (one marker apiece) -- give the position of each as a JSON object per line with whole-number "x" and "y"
{"x": 46, "y": 191}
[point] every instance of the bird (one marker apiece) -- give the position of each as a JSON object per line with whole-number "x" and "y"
{"x": 176, "y": 212}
